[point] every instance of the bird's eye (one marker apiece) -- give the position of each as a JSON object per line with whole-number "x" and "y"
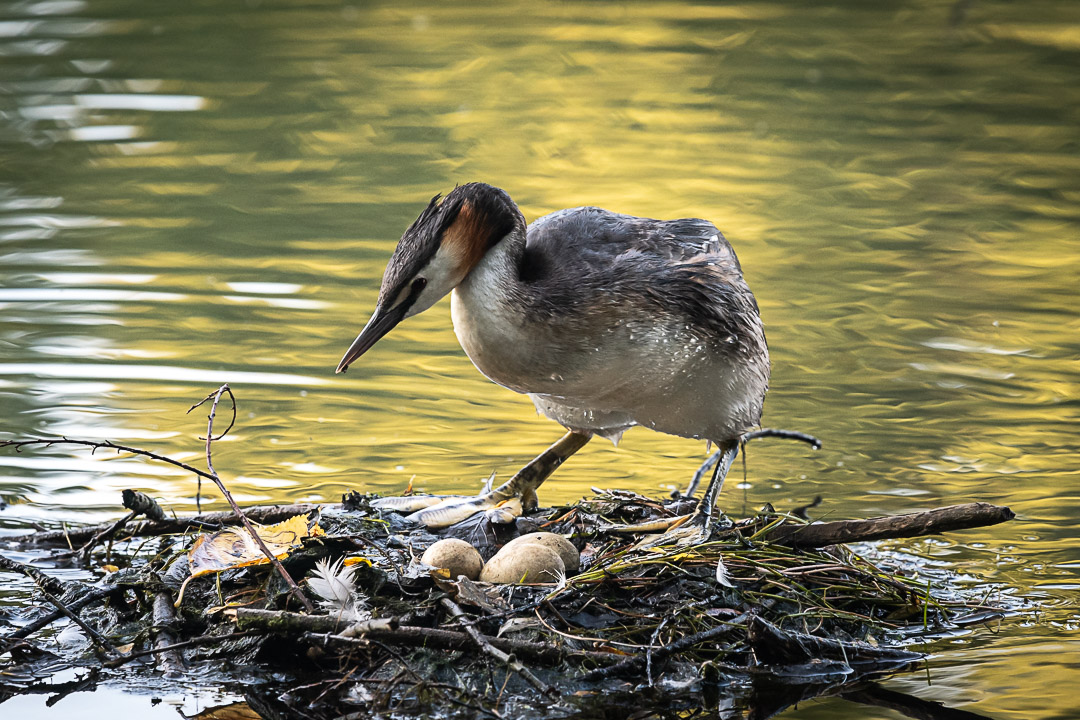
{"x": 418, "y": 284}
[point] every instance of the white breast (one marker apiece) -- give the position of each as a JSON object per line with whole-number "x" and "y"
{"x": 603, "y": 380}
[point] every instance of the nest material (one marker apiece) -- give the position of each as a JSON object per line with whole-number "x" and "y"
{"x": 728, "y": 621}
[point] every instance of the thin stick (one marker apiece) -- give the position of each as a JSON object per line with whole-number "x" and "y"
{"x": 509, "y": 660}
{"x": 95, "y": 637}
{"x": 216, "y": 397}
{"x": 48, "y": 583}
{"x": 288, "y": 623}
{"x": 636, "y": 661}
{"x": 86, "y": 550}
{"x": 213, "y": 476}
{"x": 46, "y": 620}
{"x": 649, "y": 650}
{"x": 97, "y": 444}
{"x": 209, "y": 437}
{"x": 148, "y": 528}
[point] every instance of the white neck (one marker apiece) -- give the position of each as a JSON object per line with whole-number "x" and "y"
{"x": 486, "y": 313}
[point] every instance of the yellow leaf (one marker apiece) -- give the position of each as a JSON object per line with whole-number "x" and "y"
{"x": 234, "y": 547}
{"x": 355, "y": 560}
{"x": 110, "y": 568}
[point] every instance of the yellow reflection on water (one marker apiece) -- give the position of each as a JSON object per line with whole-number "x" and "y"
{"x": 215, "y": 201}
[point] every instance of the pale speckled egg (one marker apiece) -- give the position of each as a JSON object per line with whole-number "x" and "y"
{"x": 456, "y": 556}
{"x": 570, "y": 556}
{"x": 524, "y": 563}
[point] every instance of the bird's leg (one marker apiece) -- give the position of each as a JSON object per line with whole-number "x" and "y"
{"x": 699, "y": 473}
{"x": 526, "y": 480}
{"x": 697, "y": 526}
{"x": 702, "y": 515}
{"x": 747, "y": 437}
{"x": 783, "y": 435}
{"x": 521, "y": 486}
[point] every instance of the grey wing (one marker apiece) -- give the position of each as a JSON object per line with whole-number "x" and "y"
{"x": 587, "y": 259}
{"x": 645, "y": 317}
{"x": 593, "y": 235}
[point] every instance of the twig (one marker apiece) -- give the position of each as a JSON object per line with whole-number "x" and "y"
{"x": 86, "y": 550}
{"x": 930, "y": 522}
{"x": 51, "y": 584}
{"x": 293, "y": 588}
{"x": 209, "y": 437}
{"x": 139, "y": 504}
{"x": 635, "y": 662}
{"x": 45, "y": 620}
{"x": 210, "y": 475}
{"x": 509, "y": 660}
{"x": 264, "y": 514}
{"x": 98, "y": 444}
{"x": 99, "y": 641}
{"x": 216, "y": 395}
{"x": 438, "y": 639}
{"x": 649, "y": 650}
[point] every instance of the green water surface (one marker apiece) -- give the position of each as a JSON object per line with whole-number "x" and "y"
{"x": 194, "y": 193}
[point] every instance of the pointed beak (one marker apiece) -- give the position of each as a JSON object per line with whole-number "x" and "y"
{"x": 381, "y": 322}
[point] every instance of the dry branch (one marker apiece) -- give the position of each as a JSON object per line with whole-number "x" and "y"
{"x": 209, "y": 474}
{"x": 169, "y": 659}
{"x": 47, "y": 619}
{"x": 57, "y": 587}
{"x": 930, "y": 522}
{"x": 87, "y": 550}
{"x": 266, "y": 514}
{"x": 294, "y": 589}
{"x": 193, "y": 642}
{"x": 100, "y": 643}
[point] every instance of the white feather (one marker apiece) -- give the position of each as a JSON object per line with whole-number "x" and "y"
{"x": 333, "y": 583}
{"x": 722, "y": 574}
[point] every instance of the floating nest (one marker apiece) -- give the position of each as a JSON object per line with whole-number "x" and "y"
{"x": 770, "y": 611}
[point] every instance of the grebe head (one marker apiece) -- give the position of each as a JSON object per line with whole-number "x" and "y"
{"x": 435, "y": 254}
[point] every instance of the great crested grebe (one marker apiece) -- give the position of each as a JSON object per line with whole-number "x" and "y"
{"x": 605, "y": 320}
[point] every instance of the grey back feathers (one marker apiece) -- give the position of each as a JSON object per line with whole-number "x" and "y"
{"x": 587, "y": 258}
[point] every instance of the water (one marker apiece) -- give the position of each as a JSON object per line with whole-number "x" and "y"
{"x": 198, "y": 193}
